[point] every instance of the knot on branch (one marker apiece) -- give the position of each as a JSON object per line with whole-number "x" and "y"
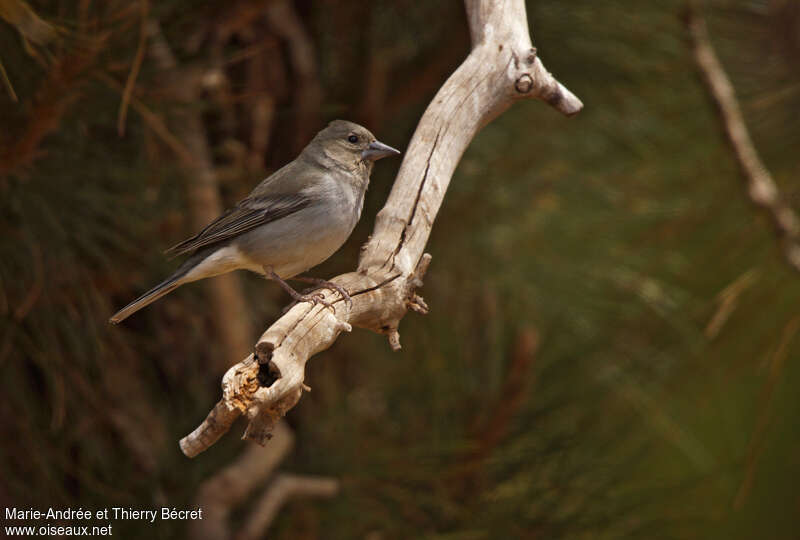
{"x": 524, "y": 84}
{"x": 530, "y": 79}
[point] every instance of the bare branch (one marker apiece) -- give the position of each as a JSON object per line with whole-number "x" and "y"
{"x": 285, "y": 487}
{"x": 502, "y": 68}
{"x": 761, "y": 188}
{"x": 222, "y": 493}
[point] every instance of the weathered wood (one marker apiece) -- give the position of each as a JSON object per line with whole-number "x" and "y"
{"x": 502, "y": 68}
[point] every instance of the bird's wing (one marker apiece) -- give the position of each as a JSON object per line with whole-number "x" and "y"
{"x": 248, "y": 214}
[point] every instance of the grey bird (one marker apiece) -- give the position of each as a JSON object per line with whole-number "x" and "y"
{"x": 294, "y": 220}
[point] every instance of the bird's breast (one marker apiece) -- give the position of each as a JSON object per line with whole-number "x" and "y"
{"x": 298, "y": 242}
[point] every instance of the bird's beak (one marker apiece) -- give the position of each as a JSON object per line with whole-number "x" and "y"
{"x": 377, "y": 150}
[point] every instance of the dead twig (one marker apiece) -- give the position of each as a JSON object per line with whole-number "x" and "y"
{"x": 758, "y": 438}
{"x": 222, "y": 493}
{"x": 53, "y": 98}
{"x": 284, "y": 488}
{"x": 761, "y": 188}
{"x": 135, "y": 68}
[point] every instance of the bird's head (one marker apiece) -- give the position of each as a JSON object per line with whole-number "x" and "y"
{"x": 351, "y": 145}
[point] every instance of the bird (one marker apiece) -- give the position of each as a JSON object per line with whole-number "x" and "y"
{"x": 292, "y": 221}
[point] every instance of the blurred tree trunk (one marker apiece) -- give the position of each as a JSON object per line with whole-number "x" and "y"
{"x": 285, "y": 23}
{"x": 225, "y": 292}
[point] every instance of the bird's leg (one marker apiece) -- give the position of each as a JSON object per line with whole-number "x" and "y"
{"x": 328, "y": 284}
{"x": 313, "y": 298}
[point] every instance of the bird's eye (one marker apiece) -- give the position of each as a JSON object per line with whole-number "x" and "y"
{"x": 353, "y": 139}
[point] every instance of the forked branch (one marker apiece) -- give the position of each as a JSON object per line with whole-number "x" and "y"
{"x": 502, "y": 67}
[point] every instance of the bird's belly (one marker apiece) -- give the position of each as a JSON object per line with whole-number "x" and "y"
{"x": 219, "y": 261}
{"x": 294, "y": 244}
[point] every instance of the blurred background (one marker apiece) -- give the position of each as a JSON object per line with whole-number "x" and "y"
{"x": 612, "y": 349}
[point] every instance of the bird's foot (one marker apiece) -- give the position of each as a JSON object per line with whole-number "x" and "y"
{"x": 313, "y": 298}
{"x": 298, "y": 297}
{"x": 320, "y": 283}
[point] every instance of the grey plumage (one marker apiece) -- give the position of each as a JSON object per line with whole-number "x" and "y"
{"x": 293, "y": 220}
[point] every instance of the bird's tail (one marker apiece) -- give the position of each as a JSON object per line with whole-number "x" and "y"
{"x": 163, "y": 288}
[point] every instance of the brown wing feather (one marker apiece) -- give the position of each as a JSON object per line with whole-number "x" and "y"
{"x": 248, "y": 214}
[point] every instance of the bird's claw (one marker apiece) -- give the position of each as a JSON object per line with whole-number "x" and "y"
{"x": 321, "y": 283}
{"x": 343, "y": 293}
{"x": 317, "y": 299}
{"x": 314, "y": 299}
